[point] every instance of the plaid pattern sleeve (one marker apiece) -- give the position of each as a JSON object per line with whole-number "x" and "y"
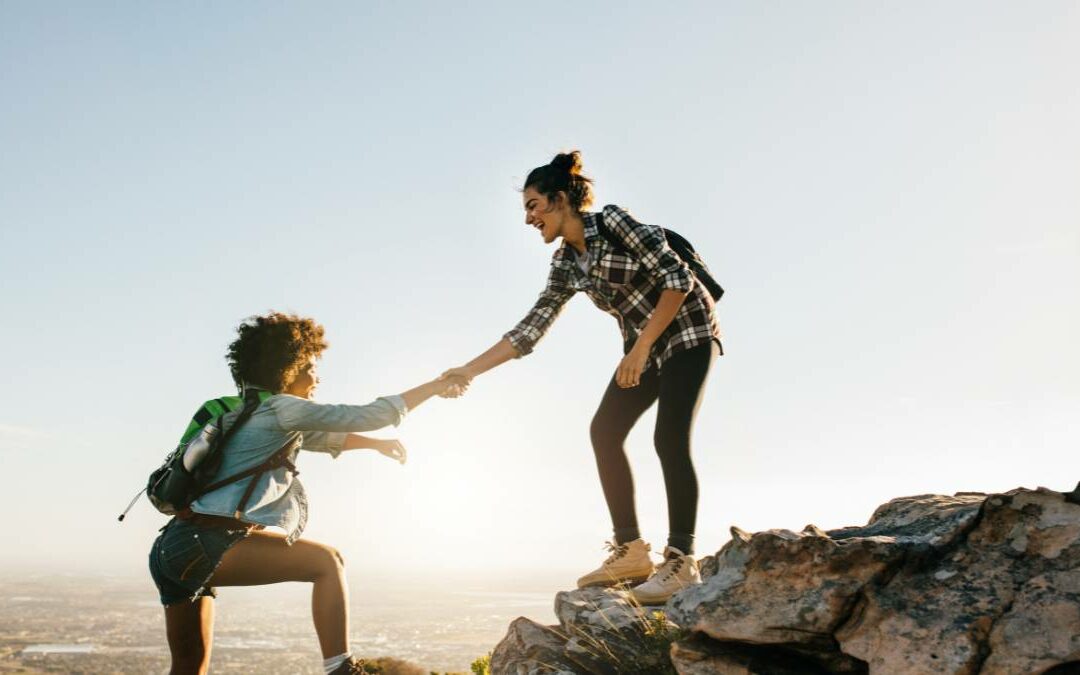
{"x": 649, "y": 246}
{"x": 558, "y": 290}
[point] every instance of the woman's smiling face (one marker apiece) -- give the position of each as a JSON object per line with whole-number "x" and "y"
{"x": 303, "y": 385}
{"x": 543, "y": 214}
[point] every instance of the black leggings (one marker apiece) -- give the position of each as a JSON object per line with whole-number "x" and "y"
{"x": 679, "y": 387}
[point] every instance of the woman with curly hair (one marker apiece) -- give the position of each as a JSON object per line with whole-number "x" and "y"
{"x": 671, "y": 339}
{"x": 220, "y": 539}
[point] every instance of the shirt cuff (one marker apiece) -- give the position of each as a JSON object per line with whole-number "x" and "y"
{"x": 335, "y": 442}
{"x": 398, "y": 404}
{"x": 681, "y": 280}
{"x": 521, "y": 345}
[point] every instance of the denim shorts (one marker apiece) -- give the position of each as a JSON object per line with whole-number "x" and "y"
{"x": 185, "y": 556}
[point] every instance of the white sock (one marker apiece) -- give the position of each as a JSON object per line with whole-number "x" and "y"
{"x": 334, "y": 661}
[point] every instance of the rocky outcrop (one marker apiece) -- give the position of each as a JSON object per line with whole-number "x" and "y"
{"x": 600, "y": 631}
{"x": 932, "y": 584}
{"x": 962, "y": 584}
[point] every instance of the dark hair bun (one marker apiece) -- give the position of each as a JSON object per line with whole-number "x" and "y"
{"x": 570, "y": 162}
{"x": 563, "y": 174}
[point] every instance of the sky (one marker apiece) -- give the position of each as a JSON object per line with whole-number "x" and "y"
{"x": 887, "y": 191}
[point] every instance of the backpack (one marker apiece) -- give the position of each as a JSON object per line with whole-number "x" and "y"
{"x": 186, "y": 472}
{"x": 683, "y": 248}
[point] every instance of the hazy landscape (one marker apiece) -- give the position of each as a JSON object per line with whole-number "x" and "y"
{"x": 115, "y": 625}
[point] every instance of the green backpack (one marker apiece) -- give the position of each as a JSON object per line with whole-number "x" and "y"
{"x": 187, "y": 470}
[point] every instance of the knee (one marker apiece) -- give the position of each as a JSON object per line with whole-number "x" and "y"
{"x": 340, "y": 559}
{"x": 603, "y": 438}
{"x": 330, "y": 560}
{"x": 671, "y": 444}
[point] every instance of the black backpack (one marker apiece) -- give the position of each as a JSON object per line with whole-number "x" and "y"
{"x": 171, "y": 488}
{"x": 683, "y": 248}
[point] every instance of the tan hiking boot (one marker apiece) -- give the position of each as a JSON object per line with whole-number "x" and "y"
{"x": 628, "y": 563}
{"x": 674, "y": 574}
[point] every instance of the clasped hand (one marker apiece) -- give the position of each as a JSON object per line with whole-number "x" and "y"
{"x": 458, "y": 381}
{"x": 450, "y": 384}
{"x": 455, "y": 382}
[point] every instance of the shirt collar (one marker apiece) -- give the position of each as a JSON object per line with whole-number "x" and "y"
{"x": 591, "y": 230}
{"x": 249, "y": 386}
{"x": 592, "y": 236}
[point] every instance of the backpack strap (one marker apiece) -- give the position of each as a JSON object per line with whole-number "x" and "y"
{"x": 278, "y": 459}
{"x": 679, "y": 244}
{"x": 604, "y": 231}
{"x": 251, "y": 402}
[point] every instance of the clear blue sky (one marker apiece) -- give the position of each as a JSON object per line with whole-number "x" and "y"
{"x": 887, "y": 190}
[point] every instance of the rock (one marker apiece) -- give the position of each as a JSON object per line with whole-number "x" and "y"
{"x": 1019, "y": 641}
{"x": 932, "y": 584}
{"x": 600, "y": 632}
{"x": 957, "y": 585}
{"x": 787, "y": 589}
{"x": 938, "y": 612}
{"x": 923, "y": 520}
{"x": 702, "y": 657}
{"x": 610, "y": 634}
{"x": 530, "y": 649}
{"x": 708, "y": 566}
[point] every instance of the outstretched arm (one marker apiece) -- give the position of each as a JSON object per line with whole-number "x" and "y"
{"x": 447, "y": 385}
{"x": 524, "y": 336}
{"x": 386, "y": 411}
{"x": 390, "y": 447}
{"x": 299, "y": 414}
{"x": 498, "y": 354}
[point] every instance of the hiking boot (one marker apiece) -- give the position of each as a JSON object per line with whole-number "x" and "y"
{"x": 353, "y": 666}
{"x": 674, "y": 574}
{"x": 628, "y": 563}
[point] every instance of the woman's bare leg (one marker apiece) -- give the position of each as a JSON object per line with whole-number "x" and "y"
{"x": 189, "y": 627}
{"x": 265, "y": 558}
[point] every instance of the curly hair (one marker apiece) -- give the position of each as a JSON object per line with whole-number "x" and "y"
{"x": 271, "y": 349}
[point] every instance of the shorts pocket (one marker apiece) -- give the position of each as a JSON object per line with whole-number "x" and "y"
{"x": 186, "y": 559}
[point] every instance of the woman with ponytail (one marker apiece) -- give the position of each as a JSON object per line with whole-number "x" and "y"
{"x": 671, "y": 339}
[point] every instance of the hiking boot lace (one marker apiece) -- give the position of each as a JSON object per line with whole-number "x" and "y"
{"x": 671, "y": 567}
{"x": 617, "y": 551}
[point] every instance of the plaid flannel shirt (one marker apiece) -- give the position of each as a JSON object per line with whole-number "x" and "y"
{"x": 626, "y": 286}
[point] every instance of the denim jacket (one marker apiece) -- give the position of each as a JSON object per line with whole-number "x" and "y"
{"x": 279, "y": 499}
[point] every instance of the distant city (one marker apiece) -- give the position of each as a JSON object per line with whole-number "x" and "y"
{"x": 109, "y": 625}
